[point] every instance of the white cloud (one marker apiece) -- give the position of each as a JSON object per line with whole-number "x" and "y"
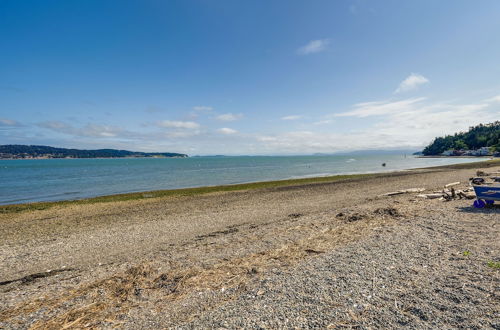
{"x": 292, "y": 117}
{"x": 420, "y": 125}
{"x": 379, "y": 108}
{"x": 179, "y": 124}
{"x": 89, "y": 130}
{"x": 229, "y": 117}
{"x": 54, "y": 125}
{"x": 57, "y": 126}
{"x": 409, "y": 123}
{"x": 494, "y": 99}
{"x": 101, "y": 130}
{"x": 413, "y": 125}
{"x": 411, "y": 82}
{"x": 226, "y": 130}
{"x": 314, "y": 46}
{"x": 182, "y": 133}
{"x": 202, "y": 108}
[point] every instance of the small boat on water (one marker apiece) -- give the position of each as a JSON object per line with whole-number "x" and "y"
{"x": 486, "y": 194}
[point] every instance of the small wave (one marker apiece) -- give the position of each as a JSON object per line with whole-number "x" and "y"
{"x": 350, "y": 160}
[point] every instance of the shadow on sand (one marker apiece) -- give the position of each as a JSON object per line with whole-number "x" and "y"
{"x": 491, "y": 209}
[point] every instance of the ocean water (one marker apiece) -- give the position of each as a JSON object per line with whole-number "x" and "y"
{"x": 23, "y": 181}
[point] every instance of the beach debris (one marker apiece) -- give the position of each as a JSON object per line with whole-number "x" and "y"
{"x": 466, "y": 195}
{"x": 430, "y": 196}
{"x": 481, "y": 173}
{"x": 476, "y": 180}
{"x": 404, "y": 191}
{"x": 452, "y": 184}
{"x": 393, "y": 193}
{"x": 450, "y": 194}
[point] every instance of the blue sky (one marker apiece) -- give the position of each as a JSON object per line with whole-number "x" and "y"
{"x": 246, "y": 77}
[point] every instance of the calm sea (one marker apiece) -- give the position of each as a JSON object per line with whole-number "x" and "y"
{"x": 24, "y": 181}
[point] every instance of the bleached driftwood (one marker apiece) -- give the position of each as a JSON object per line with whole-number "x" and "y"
{"x": 467, "y": 195}
{"x": 430, "y": 196}
{"x": 452, "y": 184}
{"x": 404, "y": 191}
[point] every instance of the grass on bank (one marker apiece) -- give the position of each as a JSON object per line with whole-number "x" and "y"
{"x": 15, "y": 208}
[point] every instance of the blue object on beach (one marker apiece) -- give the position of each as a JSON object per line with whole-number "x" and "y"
{"x": 479, "y": 204}
{"x": 486, "y": 194}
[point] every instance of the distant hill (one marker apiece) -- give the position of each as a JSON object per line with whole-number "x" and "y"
{"x": 487, "y": 135}
{"x": 30, "y": 151}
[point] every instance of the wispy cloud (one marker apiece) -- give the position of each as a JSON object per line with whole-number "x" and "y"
{"x": 89, "y": 130}
{"x": 314, "y": 46}
{"x": 57, "y": 126}
{"x": 323, "y": 122}
{"x": 227, "y": 130}
{"x": 493, "y": 99}
{"x": 291, "y": 117}
{"x": 4, "y": 122}
{"x": 379, "y": 108}
{"x": 179, "y": 124}
{"x": 409, "y": 123}
{"x": 229, "y": 117}
{"x": 175, "y": 130}
{"x": 413, "y": 81}
{"x": 182, "y": 133}
{"x": 202, "y": 108}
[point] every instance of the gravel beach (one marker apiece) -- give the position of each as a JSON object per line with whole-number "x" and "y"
{"x": 322, "y": 255}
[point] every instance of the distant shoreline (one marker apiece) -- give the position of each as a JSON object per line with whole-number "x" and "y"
{"x": 44, "y": 158}
{"x": 19, "y": 151}
{"x": 473, "y": 157}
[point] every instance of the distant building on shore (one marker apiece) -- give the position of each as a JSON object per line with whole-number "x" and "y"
{"x": 484, "y": 151}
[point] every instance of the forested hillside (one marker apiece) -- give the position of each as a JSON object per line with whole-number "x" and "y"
{"x": 487, "y": 135}
{"x": 30, "y": 151}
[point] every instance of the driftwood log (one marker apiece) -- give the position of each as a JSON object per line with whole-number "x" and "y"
{"x": 404, "y": 191}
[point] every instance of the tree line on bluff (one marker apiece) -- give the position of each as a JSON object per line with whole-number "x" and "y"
{"x": 482, "y": 135}
{"x": 31, "y": 151}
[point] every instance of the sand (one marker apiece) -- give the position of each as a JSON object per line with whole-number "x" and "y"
{"x": 311, "y": 255}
